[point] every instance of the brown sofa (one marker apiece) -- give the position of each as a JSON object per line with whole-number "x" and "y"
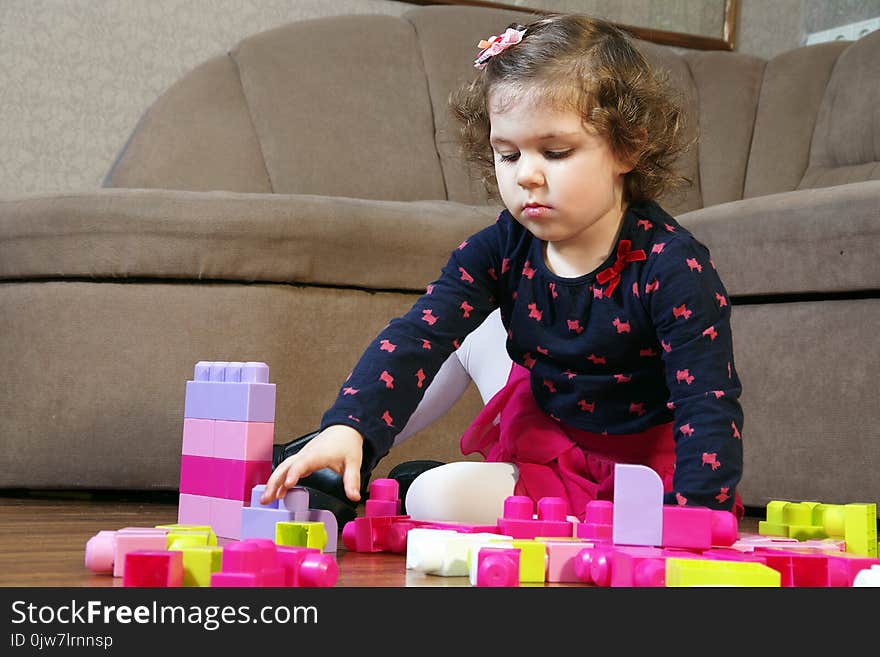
{"x": 282, "y": 202}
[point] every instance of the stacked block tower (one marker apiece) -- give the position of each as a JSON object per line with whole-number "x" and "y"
{"x": 228, "y": 431}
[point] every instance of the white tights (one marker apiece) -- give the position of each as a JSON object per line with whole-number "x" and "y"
{"x": 465, "y": 491}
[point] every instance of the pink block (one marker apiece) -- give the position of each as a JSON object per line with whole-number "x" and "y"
{"x": 561, "y": 555}
{"x": 382, "y": 508}
{"x": 806, "y": 569}
{"x": 129, "y": 539}
{"x": 226, "y": 517}
{"x": 697, "y": 528}
{"x": 100, "y": 550}
{"x": 597, "y": 524}
{"x": 497, "y": 567}
{"x": 243, "y": 441}
{"x": 307, "y": 567}
{"x": 256, "y": 556}
{"x": 194, "y": 510}
{"x": 198, "y": 437}
{"x": 224, "y": 478}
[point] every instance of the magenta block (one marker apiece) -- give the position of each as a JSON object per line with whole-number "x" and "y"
{"x": 255, "y": 556}
{"x": 497, "y": 567}
{"x": 518, "y": 520}
{"x": 223, "y": 478}
{"x": 153, "y": 568}
{"x": 307, "y": 567}
{"x": 198, "y": 437}
{"x": 638, "y": 506}
{"x": 697, "y": 528}
{"x": 243, "y": 441}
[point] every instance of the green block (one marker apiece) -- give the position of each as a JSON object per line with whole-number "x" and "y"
{"x": 832, "y": 518}
{"x": 532, "y": 560}
{"x": 767, "y": 528}
{"x": 861, "y": 529}
{"x": 716, "y": 572}
{"x": 199, "y": 561}
{"x": 180, "y": 528}
{"x": 775, "y": 511}
{"x": 301, "y": 534}
{"x": 806, "y": 532}
{"x": 799, "y": 513}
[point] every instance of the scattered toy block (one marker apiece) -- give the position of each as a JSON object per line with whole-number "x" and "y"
{"x": 307, "y": 567}
{"x": 561, "y": 555}
{"x": 697, "y": 528}
{"x": 598, "y": 521}
{"x": 716, "y": 572}
{"x": 638, "y": 506}
{"x": 445, "y": 552}
{"x": 153, "y": 568}
{"x": 867, "y": 577}
{"x": 383, "y": 498}
{"x": 301, "y": 534}
{"x": 100, "y": 552}
{"x": 494, "y": 566}
{"x": 532, "y": 560}
{"x": 251, "y": 562}
{"x": 519, "y": 518}
{"x": 199, "y": 563}
{"x": 129, "y": 539}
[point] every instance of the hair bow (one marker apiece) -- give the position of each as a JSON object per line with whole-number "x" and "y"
{"x": 497, "y": 44}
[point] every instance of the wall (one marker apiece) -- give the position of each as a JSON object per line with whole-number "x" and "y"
{"x": 76, "y": 75}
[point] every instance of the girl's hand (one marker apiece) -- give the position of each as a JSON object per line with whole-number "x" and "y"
{"x": 337, "y": 447}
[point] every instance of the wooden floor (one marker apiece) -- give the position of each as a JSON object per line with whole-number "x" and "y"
{"x": 42, "y": 543}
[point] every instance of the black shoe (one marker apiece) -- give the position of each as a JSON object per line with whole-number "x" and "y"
{"x": 405, "y": 474}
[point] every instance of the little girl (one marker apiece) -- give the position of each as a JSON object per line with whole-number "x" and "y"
{"x": 616, "y": 333}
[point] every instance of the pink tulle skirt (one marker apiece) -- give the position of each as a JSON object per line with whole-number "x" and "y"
{"x": 556, "y": 460}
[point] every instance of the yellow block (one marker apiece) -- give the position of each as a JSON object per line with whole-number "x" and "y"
{"x": 767, "y": 528}
{"x": 180, "y": 528}
{"x": 532, "y": 560}
{"x": 716, "y": 572}
{"x": 301, "y": 534}
{"x": 775, "y": 512}
{"x": 199, "y": 561}
{"x": 806, "y": 532}
{"x": 861, "y": 529}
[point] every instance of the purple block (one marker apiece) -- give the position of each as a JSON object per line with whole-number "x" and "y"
{"x": 230, "y": 479}
{"x": 637, "y": 518}
{"x": 295, "y": 507}
{"x": 216, "y": 400}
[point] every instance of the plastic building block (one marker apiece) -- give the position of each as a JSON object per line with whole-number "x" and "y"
{"x": 611, "y": 565}
{"x": 129, "y": 539}
{"x": 307, "y": 567}
{"x": 198, "y": 437}
{"x": 230, "y": 479}
{"x": 301, "y": 534}
{"x": 230, "y": 391}
{"x": 638, "y": 506}
{"x": 378, "y": 534}
{"x": 532, "y": 560}
{"x": 445, "y": 552}
{"x": 153, "y": 568}
{"x": 181, "y": 538}
{"x": 251, "y": 562}
{"x": 226, "y": 517}
{"x": 383, "y": 499}
{"x": 494, "y": 566}
{"x": 260, "y": 520}
{"x": 716, "y": 572}
{"x": 867, "y": 577}
{"x": 519, "y": 520}
{"x": 243, "y": 441}
{"x": 561, "y": 554}
{"x": 100, "y": 551}
{"x": 697, "y": 528}
{"x": 199, "y": 563}
{"x": 259, "y": 562}
{"x": 855, "y": 523}
{"x": 598, "y": 519}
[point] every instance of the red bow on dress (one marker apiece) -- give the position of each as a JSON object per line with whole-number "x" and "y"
{"x": 624, "y": 257}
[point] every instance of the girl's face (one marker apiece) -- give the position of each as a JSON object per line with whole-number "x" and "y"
{"x": 556, "y": 176}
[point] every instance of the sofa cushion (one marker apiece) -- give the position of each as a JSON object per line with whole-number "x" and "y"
{"x": 136, "y": 234}
{"x": 846, "y": 142}
{"x": 792, "y": 90}
{"x": 818, "y": 240}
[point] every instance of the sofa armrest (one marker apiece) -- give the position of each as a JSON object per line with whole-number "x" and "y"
{"x": 807, "y": 241}
{"x": 166, "y": 234}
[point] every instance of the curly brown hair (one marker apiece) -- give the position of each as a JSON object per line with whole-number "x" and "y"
{"x": 589, "y": 65}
